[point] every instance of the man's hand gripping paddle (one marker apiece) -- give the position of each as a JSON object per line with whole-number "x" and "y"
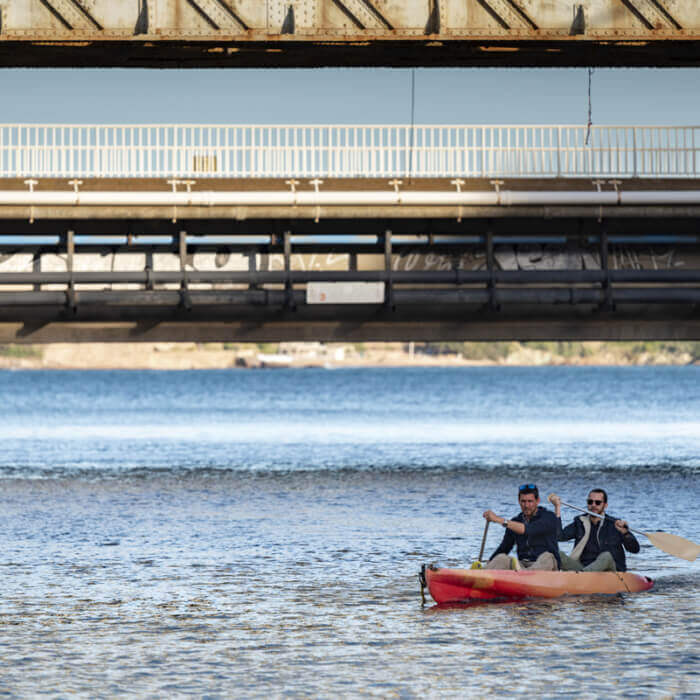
{"x": 477, "y": 564}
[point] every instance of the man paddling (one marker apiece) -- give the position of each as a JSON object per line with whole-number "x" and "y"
{"x": 599, "y": 542}
{"x": 533, "y": 531}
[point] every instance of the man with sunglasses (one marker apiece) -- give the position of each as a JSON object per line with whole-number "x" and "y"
{"x": 533, "y": 531}
{"x": 599, "y": 542}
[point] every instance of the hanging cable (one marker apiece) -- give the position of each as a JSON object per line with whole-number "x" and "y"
{"x": 411, "y": 135}
{"x": 590, "y": 106}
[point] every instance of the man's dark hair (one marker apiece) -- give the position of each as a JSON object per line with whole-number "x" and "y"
{"x": 605, "y": 495}
{"x": 528, "y": 488}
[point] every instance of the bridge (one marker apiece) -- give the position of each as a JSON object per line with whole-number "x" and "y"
{"x": 352, "y": 233}
{"x": 313, "y": 33}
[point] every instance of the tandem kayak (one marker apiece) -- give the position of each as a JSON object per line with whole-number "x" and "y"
{"x": 458, "y": 585}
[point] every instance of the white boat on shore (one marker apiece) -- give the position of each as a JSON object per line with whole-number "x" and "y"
{"x": 274, "y": 361}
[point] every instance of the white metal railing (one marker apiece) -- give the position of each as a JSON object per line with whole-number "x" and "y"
{"x": 197, "y": 151}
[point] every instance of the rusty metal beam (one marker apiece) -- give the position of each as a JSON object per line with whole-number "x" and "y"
{"x": 219, "y": 15}
{"x": 508, "y": 14}
{"x": 72, "y": 15}
{"x": 416, "y": 52}
{"x": 309, "y": 33}
{"x": 364, "y": 14}
{"x": 652, "y": 13}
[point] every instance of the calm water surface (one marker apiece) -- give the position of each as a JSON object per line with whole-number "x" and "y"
{"x": 257, "y": 533}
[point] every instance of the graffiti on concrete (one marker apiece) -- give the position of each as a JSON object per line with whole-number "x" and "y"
{"x": 511, "y": 257}
{"x": 545, "y": 257}
{"x": 549, "y": 257}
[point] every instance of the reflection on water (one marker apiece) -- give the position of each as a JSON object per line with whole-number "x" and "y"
{"x": 200, "y": 558}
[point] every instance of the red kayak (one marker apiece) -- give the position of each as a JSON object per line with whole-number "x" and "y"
{"x": 455, "y": 585}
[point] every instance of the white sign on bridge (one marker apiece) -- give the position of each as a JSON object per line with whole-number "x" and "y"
{"x": 345, "y": 293}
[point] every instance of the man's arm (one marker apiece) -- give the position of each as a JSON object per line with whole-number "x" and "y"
{"x": 506, "y": 544}
{"x": 511, "y": 525}
{"x": 629, "y": 541}
{"x": 568, "y": 532}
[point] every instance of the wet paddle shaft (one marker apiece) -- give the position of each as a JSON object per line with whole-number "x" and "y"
{"x": 665, "y": 541}
{"x": 483, "y": 542}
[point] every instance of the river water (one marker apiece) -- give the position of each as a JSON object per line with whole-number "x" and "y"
{"x": 249, "y": 533}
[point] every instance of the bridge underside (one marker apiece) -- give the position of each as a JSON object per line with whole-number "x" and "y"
{"x": 316, "y": 33}
{"x": 277, "y": 324}
{"x": 354, "y": 273}
{"x": 396, "y": 53}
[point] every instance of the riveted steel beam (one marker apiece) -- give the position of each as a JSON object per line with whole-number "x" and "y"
{"x": 311, "y": 33}
{"x": 652, "y": 13}
{"x": 364, "y": 14}
{"x": 219, "y": 15}
{"x": 508, "y": 14}
{"x": 72, "y": 14}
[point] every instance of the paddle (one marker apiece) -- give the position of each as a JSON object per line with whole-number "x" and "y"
{"x": 665, "y": 541}
{"x": 477, "y": 563}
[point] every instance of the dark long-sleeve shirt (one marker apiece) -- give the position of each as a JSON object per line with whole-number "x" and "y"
{"x": 540, "y": 536}
{"x": 604, "y": 538}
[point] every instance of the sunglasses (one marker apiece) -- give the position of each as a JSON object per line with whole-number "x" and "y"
{"x": 591, "y": 501}
{"x": 526, "y": 487}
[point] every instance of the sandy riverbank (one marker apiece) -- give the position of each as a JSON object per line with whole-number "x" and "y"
{"x": 185, "y": 356}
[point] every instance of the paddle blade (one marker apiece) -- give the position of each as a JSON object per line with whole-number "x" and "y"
{"x": 674, "y": 545}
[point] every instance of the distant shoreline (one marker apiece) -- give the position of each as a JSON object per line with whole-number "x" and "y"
{"x": 189, "y": 356}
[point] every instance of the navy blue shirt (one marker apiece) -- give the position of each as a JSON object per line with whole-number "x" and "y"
{"x": 540, "y": 536}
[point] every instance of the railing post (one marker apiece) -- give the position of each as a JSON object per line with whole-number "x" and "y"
{"x": 634, "y": 151}
{"x": 483, "y": 153}
{"x": 558, "y": 151}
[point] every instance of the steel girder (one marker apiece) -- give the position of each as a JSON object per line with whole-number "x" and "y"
{"x": 348, "y": 32}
